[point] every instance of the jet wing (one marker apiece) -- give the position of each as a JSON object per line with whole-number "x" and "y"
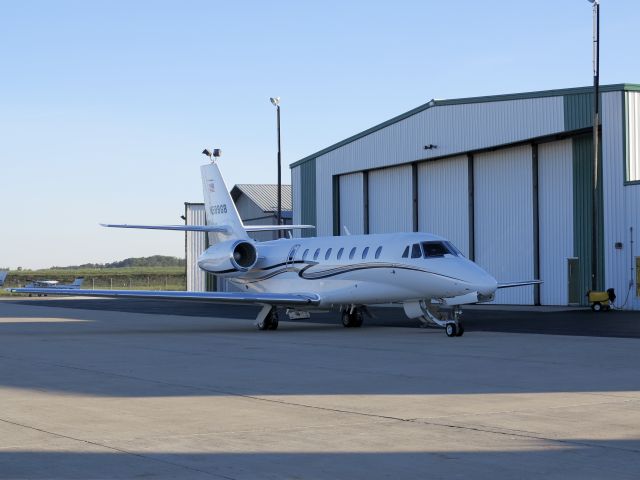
{"x": 519, "y": 284}
{"x": 181, "y": 228}
{"x": 269, "y": 228}
{"x": 284, "y": 299}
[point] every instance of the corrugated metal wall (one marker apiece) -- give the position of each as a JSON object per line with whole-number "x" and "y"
{"x": 504, "y": 219}
{"x": 453, "y": 128}
{"x": 352, "y": 203}
{"x": 578, "y": 111}
{"x": 632, "y": 199}
{"x": 390, "y": 208}
{"x": 555, "y": 220}
{"x": 196, "y": 244}
{"x": 615, "y": 213}
{"x": 443, "y": 200}
{"x": 621, "y": 202}
{"x": 632, "y": 195}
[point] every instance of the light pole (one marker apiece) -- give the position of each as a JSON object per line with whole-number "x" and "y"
{"x": 596, "y": 122}
{"x": 276, "y": 103}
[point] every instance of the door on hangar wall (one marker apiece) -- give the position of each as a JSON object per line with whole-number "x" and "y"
{"x": 443, "y": 200}
{"x": 555, "y": 214}
{"x": 352, "y": 203}
{"x": 390, "y": 200}
{"x": 503, "y": 207}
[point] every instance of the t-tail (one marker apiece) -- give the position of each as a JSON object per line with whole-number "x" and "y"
{"x": 220, "y": 210}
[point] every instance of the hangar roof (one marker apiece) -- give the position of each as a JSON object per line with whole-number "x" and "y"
{"x": 265, "y": 196}
{"x": 461, "y": 101}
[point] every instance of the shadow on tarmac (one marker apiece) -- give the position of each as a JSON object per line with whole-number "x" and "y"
{"x": 580, "y": 458}
{"x": 580, "y": 322}
{"x": 168, "y": 356}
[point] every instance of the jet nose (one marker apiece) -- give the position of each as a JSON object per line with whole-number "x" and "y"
{"x": 488, "y": 285}
{"x": 484, "y": 283}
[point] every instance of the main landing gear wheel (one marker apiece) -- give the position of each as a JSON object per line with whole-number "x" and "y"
{"x": 270, "y": 322}
{"x": 451, "y": 329}
{"x": 454, "y": 329}
{"x": 352, "y": 319}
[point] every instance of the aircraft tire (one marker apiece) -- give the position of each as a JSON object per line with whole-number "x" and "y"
{"x": 346, "y": 319}
{"x": 273, "y": 321}
{"x": 460, "y": 330}
{"x": 450, "y": 329}
{"x": 356, "y": 319}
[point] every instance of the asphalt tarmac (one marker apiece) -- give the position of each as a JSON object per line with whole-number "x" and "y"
{"x": 112, "y": 389}
{"x": 487, "y": 318}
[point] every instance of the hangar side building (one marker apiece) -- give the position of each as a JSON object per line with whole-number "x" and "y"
{"x": 506, "y": 178}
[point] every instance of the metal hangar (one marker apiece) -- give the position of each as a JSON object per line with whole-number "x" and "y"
{"x": 507, "y": 178}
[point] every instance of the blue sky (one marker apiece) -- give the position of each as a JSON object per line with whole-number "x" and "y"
{"x": 106, "y": 106}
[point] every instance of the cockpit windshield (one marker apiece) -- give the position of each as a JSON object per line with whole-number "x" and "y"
{"x": 435, "y": 249}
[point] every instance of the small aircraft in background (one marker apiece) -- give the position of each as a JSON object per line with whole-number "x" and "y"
{"x": 3, "y": 276}
{"x": 54, "y": 284}
{"x": 423, "y": 272}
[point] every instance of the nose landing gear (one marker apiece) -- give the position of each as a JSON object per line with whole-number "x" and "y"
{"x": 432, "y": 316}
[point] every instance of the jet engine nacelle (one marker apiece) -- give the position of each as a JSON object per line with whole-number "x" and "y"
{"x": 229, "y": 259}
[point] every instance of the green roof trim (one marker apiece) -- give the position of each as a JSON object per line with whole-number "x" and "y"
{"x": 626, "y": 87}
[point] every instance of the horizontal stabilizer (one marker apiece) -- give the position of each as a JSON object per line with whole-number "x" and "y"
{"x": 180, "y": 228}
{"x": 519, "y": 284}
{"x": 241, "y": 298}
{"x": 269, "y": 228}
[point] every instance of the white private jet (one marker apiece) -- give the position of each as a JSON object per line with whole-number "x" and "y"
{"x": 424, "y": 273}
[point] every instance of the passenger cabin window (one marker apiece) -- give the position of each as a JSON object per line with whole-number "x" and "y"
{"x": 315, "y": 255}
{"x": 405, "y": 254}
{"x": 378, "y": 252}
{"x": 327, "y": 255}
{"x": 352, "y": 253}
{"x": 340, "y": 253}
{"x": 365, "y": 252}
{"x": 304, "y": 255}
{"x": 416, "y": 251}
{"x": 435, "y": 249}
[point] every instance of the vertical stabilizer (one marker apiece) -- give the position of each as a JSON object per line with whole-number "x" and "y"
{"x": 219, "y": 207}
{"x": 77, "y": 282}
{"x": 3, "y": 275}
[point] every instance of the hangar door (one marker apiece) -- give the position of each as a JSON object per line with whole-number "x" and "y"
{"x": 503, "y": 207}
{"x": 443, "y": 200}
{"x": 352, "y": 203}
{"x": 555, "y": 200}
{"x": 390, "y": 200}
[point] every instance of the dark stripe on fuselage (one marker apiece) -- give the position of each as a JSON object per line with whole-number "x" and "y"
{"x": 332, "y": 272}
